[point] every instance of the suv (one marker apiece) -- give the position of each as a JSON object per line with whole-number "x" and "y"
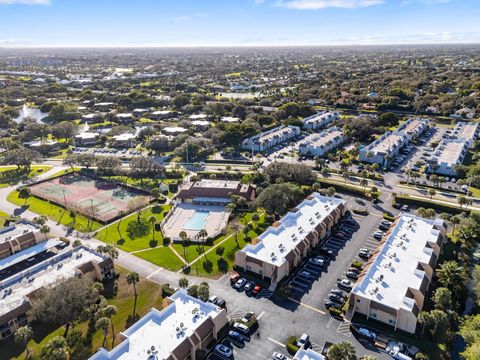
{"x": 303, "y": 341}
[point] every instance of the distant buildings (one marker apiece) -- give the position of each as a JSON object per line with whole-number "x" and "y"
{"x": 174, "y": 130}
{"x": 320, "y": 119}
{"x": 270, "y": 138}
{"x": 18, "y": 289}
{"x": 18, "y": 237}
{"x": 177, "y": 332}
{"x": 447, "y": 154}
{"x": 93, "y": 118}
{"x": 86, "y": 138}
{"x": 323, "y": 143}
{"x": 162, "y": 114}
{"x": 468, "y": 131}
{"x": 125, "y": 140}
{"x": 124, "y": 118}
{"x": 276, "y": 252}
{"x": 44, "y": 146}
{"x": 395, "y": 282}
{"x": 229, "y": 119}
{"x": 386, "y": 147}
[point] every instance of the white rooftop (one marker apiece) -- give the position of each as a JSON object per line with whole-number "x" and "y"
{"x": 161, "y": 332}
{"x": 201, "y": 123}
{"x": 124, "y": 137}
{"x": 174, "y": 129}
{"x": 12, "y": 231}
{"x": 323, "y": 139}
{"x": 466, "y": 130}
{"x": 277, "y": 242}
{"x": 197, "y": 116}
{"x": 449, "y": 152}
{"x": 28, "y": 253}
{"x": 43, "y": 274}
{"x": 308, "y": 354}
{"x": 395, "y": 268}
{"x": 87, "y": 135}
{"x": 215, "y": 183}
{"x": 229, "y": 119}
{"x": 387, "y": 143}
{"x": 321, "y": 117}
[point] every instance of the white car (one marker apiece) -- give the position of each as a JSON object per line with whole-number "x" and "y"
{"x": 221, "y": 349}
{"x": 241, "y": 328}
{"x": 279, "y": 356}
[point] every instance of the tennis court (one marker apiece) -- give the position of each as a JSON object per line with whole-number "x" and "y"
{"x": 97, "y": 198}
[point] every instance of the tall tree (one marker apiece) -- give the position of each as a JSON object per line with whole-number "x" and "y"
{"x": 22, "y": 336}
{"x": 132, "y": 279}
{"x": 342, "y": 351}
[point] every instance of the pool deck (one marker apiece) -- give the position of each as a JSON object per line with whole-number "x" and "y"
{"x": 183, "y": 217}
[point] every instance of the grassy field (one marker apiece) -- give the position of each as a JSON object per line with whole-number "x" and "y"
{"x": 214, "y": 265}
{"x": 147, "y": 184}
{"x": 2, "y": 218}
{"x": 162, "y": 256}
{"x": 10, "y": 175}
{"x": 54, "y": 212}
{"x": 149, "y": 295}
{"x": 119, "y": 235}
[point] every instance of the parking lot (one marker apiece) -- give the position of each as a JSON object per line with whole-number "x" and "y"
{"x": 304, "y": 311}
{"x": 124, "y": 153}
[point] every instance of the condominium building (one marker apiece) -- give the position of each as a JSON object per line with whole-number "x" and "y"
{"x": 413, "y": 128}
{"x": 469, "y": 131}
{"x": 185, "y": 326}
{"x": 270, "y": 138}
{"x": 320, "y": 120}
{"x": 308, "y": 354}
{"x": 447, "y": 154}
{"x": 162, "y": 114}
{"x": 17, "y": 237}
{"x": 276, "y": 252}
{"x": 393, "y": 286}
{"x": 17, "y": 289}
{"x": 323, "y": 143}
{"x": 383, "y": 150}
{"x": 86, "y": 138}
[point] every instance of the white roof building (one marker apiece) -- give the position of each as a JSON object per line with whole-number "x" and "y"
{"x": 468, "y": 131}
{"x": 229, "y": 119}
{"x": 447, "y": 154}
{"x": 184, "y": 326}
{"x": 321, "y": 144}
{"x": 308, "y": 354}
{"x": 393, "y": 286}
{"x": 174, "y": 130}
{"x": 320, "y": 119}
{"x": 270, "y": 138}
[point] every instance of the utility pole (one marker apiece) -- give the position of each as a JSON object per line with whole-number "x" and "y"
{"x": 186, "y": 150}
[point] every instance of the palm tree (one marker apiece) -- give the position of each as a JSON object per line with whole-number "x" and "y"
{"x": 133, "y": 279}
{"x": 45, "y": 229}
{"x": 255, "y": 219}
{"x": 432, "y": 193}
{"x": 451, "y": 275}
{"x": 455, "y": 220}
{"x": 235, "y": 226}
{"x": 103, "y": 324}
{"x": 183, "y": 283}
{"x": 152, "y": 219}
{"x": 183, "y": 235}
{"x": 108, "y": 311}
{"x": 462, "y": 200}
{"x": 22, "y": 336}
{"x": 121, "y": 214}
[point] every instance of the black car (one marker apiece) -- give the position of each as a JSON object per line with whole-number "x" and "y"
{"x": 335, "y": 298}
{"x": 326, "y": 252}
{"x": 331, "y": 304}
{"x": 338, "y": 292}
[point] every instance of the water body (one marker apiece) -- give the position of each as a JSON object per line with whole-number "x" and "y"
{"x": 31, "y": 112}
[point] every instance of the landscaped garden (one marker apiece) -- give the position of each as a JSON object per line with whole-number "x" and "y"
{"x": 84, "y": 339}
{"x": 11, "y": 175}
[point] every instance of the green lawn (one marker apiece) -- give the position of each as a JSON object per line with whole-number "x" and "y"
{"x": 215, "y": 265}
{"x": 54, "y": 212}
{"x": 162, "y": 256}
{"x": 149, "y": 295}
{"x": 118, "y": 234}
{"x": 10, "y": 175}
{"x": 147, "y": 184}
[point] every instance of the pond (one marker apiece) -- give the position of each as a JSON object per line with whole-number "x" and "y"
{"x": 31, "y": 112}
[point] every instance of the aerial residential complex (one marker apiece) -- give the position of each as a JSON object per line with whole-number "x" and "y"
{"x": 308, "y": 354}
{"x": 17, "y": 289}
{"x": 468, "y": 131}
{"x": 393, "y": 287}
{"x": 447, "y": 154}
{"x": 384, "y": 149}
{"x": 270, "y": 138}
{"x": 177, "y": 332}
{"x": 18, "y": 237}
{"x": 278, "y": 250}
{"x": 320, "y": 119}
{"x": 323, "y": 143}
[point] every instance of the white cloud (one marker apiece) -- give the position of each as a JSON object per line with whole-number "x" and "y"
{"x": 322, "y": 4}
{"x": 27, "y": 2}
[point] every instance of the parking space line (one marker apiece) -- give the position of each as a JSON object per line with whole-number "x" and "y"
{"x": 276, "y": 342}
{"x": 307, "y": 306}
{"x": 330, "y": 321}
{"x": 260, "y": 316}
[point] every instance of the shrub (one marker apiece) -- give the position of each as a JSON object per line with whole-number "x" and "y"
{"x": 65, "y": 240}
{"x": 157, "y": 209}
{"x": 452, "y": 209}
{"x": 137, "y": 229}
{"x": 360, "y": 211}
{"x": 167, "y": 290}
{"x": 292, "y": 347}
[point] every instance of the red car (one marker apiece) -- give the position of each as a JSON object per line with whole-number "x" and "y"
{"x": 234, "y": 278}
{"x": 256, "y": 290}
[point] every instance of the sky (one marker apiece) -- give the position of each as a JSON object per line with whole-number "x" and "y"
{"x": 138, "y": 23}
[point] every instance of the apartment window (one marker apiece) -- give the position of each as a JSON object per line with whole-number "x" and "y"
{"x": 248, "y": 267}
{"x": 358, "y": 300}
{"x": 374, "y": 315}
{"x": 392, "y": 322}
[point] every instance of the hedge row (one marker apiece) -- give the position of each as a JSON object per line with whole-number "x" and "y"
{"x": 344, "y": 187}
{"x": 428, "y": 204}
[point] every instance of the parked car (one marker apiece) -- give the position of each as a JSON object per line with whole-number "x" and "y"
{"x": 303, "y": 340}
{"x": 247, "y": 317}
{"x": 331, "y": 304}
{"x": 223, "y": 350}
{"x": 305, "y": 274}
{"x": 383, "y": 227}
{"x": 386, "y": 222}
{"x": 355, "y": 270}
{"x": 405, "y": 208}
{"x": 240, "y": 284}
{"x": 278, "y": 356}
{"x": 351, "y": 275}
{"x": 344, "y": 284}
{"x": 234, "y": 278}
{"x": 221, "y": 303}
{"x": 317, "y": 261}
{"x": 335, "y": 298}
{"x": 249, "y": 285}
{"x": 326, "y": 252}
{"x": 378, "y": 235}
{"x": 338, "y": 292}
{"x": 236, "y": 336}
{"x": 365, "y": 254}
{"x": 256, "y": 290}
{"x": 242, "y": 328}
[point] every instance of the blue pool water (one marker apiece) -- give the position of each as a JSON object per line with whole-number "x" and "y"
{"x": 196, "y": 221}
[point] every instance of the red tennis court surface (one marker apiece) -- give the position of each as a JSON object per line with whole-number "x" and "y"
{"x": 100, "y": 199}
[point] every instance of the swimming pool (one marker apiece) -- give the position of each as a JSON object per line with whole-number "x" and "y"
{"x": 196, "y": 221}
